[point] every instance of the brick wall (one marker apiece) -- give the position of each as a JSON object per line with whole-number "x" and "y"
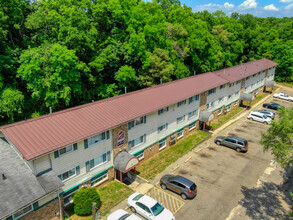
{"x": 47, "y": 212}
{"x": 115, "y": 132}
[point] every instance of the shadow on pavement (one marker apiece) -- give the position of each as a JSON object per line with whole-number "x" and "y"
{"x": 266, "y": 202}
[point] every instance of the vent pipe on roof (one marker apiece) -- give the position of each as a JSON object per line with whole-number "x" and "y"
{"x": 125, "y": 89}
{"x": 194, "y": 73}
{"x": 161, "y": 81}
{"x": 93, "y": 100}
{"x": 50, "y": 110}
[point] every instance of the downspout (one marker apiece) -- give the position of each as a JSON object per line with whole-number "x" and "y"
{"x": 60, "y": 209}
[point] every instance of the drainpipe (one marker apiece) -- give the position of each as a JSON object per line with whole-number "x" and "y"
{"x": 60, "y": 209}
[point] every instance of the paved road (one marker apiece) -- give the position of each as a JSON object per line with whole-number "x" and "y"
{"x": 233, "y": 185}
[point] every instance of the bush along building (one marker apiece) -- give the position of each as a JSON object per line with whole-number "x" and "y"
{"x": 45, "y": 160}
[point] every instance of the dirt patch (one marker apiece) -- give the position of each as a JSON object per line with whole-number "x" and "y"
{"x": 244, "y": 126}
{"x": 204, "y": 155}
{"x": 212, "y": 148}
{"x": 239, "y": 130}
{"x": 251, "y": 141}
{"x": 193, "y": 162}
{"x": 242, "y": 155}
{"x": 183, "y": 172}
{"x": 231, "y": 134}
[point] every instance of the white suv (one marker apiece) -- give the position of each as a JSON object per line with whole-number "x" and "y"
{"x": 257, "y": 116}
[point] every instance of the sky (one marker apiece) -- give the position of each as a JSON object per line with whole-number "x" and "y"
{"x": 259, "y": 8}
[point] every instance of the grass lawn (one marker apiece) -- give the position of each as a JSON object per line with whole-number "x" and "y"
{"x": 224, "y": 118}
{"x": 288, "y": 84}
{"x": 110, "y": 194}
{"x": 160, "y": 161}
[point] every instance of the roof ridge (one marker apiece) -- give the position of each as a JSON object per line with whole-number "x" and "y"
{"x": 96, "y": 102}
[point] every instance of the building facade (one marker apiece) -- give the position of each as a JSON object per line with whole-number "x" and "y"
{"x": 80, "y": 145}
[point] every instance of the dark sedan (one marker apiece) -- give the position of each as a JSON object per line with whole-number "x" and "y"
{"x": 272, "y": 106}
{"x": 179, "y": 184}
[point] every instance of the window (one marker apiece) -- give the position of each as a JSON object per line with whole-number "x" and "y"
{"x": 231, "y": 84}
{"x": 235, "y": 103}
{"x": 247, "y": 77}
{"x": 140, "y": 156}
{"x": 229, "y": 96}
{"x": 181, "y": 103}
{"x": 69, "y": 174}
{"x": 68, "y": 199}
{"x": 193, "y": 98}
{"x": 236, "y": 93}
{"x": 136, "y": 122}
{"x": 180, "y": 134}
{"x": 136, "y": 142}
{"x": 180, "y": 119}
{"x": 162, "y": 144}
{"x": 227, "y": 108}
{"x": 91, "y": 164}
{"x": 211, "y": 91}
{"x": 221, "y": 99}
{"x": 97, "y": 138}
{"x": 220, "y": 111}
{"x": 161, "y": 111}
{"x": 192, "y": 126}
{"x": 100, "y": 179}
{"x": 222, "y": 86}
{"x": 23, "y": 212}
{"x": 163, "y": 128}
{"x": 237, "y": 82}
{"x": 210, "y": 105}
{"x": 192, "y": 114}
{"x": 65, "y": 150}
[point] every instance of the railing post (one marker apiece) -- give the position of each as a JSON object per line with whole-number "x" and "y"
{"x": 94, "y": 211}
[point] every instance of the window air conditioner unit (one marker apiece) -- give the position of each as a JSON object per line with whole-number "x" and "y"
{"x": 171, "y": 142}
{"x": 84, "y": 186}
{"x": 173, "y": 136}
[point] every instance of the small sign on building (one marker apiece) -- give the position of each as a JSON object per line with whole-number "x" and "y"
{"x": 120, "y": 138}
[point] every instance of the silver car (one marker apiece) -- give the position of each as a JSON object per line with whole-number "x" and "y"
{"x": 237, "y": 143}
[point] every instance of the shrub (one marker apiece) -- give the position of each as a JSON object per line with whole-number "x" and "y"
{"x": 83, "y": 201}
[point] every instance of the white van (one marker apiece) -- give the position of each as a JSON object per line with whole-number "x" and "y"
{"x": 257, "y": 116}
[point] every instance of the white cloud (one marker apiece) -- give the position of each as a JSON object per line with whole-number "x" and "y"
{"x": 271, "y": 8}
{"x": 288, "y": 7}
{"x": 228, "y": 5}
{"x": 248, "y": 4}
{"x": 286, "y": 1}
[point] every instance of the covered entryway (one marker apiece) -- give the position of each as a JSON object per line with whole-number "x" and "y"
{"x": 246, "y": 97}
{"x": 268, "y": 85}
{"x": 123, "y": 163}
{"x": 205, "y": 117}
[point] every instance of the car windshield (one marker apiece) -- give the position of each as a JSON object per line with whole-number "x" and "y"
{"x": 123, "y": 217}
{"x": 137, "y": 197}
{"x": 157, "y": 209}
{"x": 265, "y": 117}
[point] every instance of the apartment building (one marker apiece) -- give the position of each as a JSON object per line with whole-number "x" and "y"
{"x": 89, "y": 144}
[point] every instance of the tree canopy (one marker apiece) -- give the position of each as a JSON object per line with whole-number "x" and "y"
{"x": 61, "y": 54}
{"x": 279, "y": 138}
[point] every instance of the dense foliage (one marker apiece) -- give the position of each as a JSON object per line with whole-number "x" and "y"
{"x": 83, "y": 201}
{"x": 279, "y": 138}
{"x": 63, "y": 53}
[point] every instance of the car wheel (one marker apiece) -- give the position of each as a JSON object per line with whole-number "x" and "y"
{"x": 133, "y": 209}
{"x": 163, "y": 186}
{"x": 218, "y": 143}
{"x": 238, "y": 149}
{"x": 183, "y": 196}
{"x": 265, "y": 122}
{"x": 250, "y": 119}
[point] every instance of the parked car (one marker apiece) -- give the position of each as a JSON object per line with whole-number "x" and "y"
{"x": 268, "y": 113}
{"x": 272, "y": 106}
{"x": 237, "y": 143}
{"x": 121, "y": 214}
{"x": 283, "y": 96}
{"x": 179, "y": 184}
{"x": 257, "y": 116}
{"x": 148, "y": 207}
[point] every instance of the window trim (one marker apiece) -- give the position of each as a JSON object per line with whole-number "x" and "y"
{"x": 71, "y": 145}
{"x": 220, "y": 111}
{"x": 89, "y": 139}
{"x": 100, "y": 164}
{"x": 194, "y": 115}
{"x": 165, "y": 127}
{"x": 75, "y": 174}
{"x": 163, "y": 147}
{"x": 31, "y": 209}
{"x": 182, "y": 118}
{"x": 163, "y": 110}
{"x": 183, "y": 102}
{"x": 135, "y": 146}
{"x": 191, "y": 128}
{"x": 182, "y": 134}
{"x": 101, "y": 181}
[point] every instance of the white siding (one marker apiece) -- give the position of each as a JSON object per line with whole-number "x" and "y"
{"x": 41, "y": 164}
{"x": 48, "y": 198}
{"x": 79, "y": 158}
{"x": 254, "y": 82}
{"x": 271, "y": 73}
{"x": 153, "y": 121}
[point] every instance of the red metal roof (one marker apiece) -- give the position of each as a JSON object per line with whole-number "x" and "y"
{"x": 235, "y": 73}
{"x": 35, "y": 137}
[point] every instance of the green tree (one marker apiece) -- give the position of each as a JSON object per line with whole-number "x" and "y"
{"x": 83, "y": 201}
{"x": 52, "y": 73}
{"x": 11, "y": 103}
{"x": 126, "y": 77}
{"x": 279, "y": 138}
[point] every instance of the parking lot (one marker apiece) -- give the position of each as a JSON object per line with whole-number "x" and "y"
{"x": 223, "y": 176}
